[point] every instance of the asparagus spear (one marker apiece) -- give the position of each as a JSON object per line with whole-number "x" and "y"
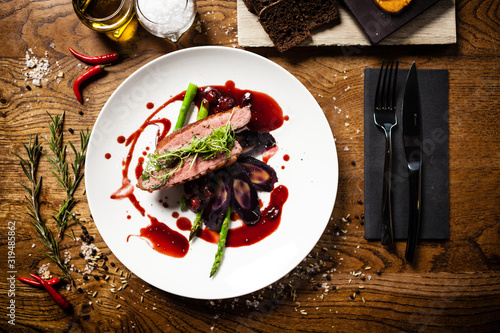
{"x": 203, "y": 111}
{"x": 186, "y": 103}
{"x": 196, "y": 225}
{"x": 222, "y": 242}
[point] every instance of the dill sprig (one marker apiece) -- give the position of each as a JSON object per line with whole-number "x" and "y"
{"x": 69, "y": 183}
{"x": 221, "y": 140}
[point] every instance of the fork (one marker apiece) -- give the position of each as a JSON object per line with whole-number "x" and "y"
{"x": 385, "y": 118}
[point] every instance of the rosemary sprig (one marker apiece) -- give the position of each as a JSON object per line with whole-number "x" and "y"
{"x": 61, "y": 169}
{"x": 67, "y": 181}
{"x": 30, "y": 168}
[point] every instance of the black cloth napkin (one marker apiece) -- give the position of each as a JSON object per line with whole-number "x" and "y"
{"x": 433, "y": 86}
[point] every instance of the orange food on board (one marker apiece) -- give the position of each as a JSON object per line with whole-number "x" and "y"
{"x": 392, "y": 6}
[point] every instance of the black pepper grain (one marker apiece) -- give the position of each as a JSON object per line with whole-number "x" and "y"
{"x": 379, "y": 272}
{"x": 96, "y": 277}
{"x": 360, "y": 202}
{"x": 357, "y": 291}
{"x": 353, "y": 163}
{"x": 80, "y": 113}
{"x": 71, "y": 130}
{"x": 28, "y": 87}
{"x": 112, "y": 264}
{"x": 80, "y": 290}
{"x": 329, "y": 277}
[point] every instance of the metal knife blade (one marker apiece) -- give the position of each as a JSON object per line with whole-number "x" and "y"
{"x": 412, "y": 139}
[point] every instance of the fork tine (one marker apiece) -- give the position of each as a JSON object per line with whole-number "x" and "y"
{"x": 394, "y": 82}
{"x": 387, "y": 85}
{"x": 379, "y": 89}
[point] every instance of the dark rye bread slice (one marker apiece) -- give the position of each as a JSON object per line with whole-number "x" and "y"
{"x": 249, "y": 5}
{"x": 284, "y": 24}
{"x": 316, "y": 13}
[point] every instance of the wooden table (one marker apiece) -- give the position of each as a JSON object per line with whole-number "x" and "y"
{"x": 454, "y": 286}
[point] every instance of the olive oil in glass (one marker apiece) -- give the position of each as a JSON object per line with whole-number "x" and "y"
{"x": 105, "y": 15}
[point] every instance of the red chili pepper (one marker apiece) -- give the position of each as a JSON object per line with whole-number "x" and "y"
{"x": 60, "y": 300}
{"x": 53, "y": 282}
{"x": 91, "y": 72}
{"x": 96, "y": 60}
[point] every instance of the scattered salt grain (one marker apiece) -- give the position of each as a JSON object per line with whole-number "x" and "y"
{"x": 36, "y": 68}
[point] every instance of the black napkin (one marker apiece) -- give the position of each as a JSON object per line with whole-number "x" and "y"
{"x": 377, "y": 23}
{"x": 433, "y": 86}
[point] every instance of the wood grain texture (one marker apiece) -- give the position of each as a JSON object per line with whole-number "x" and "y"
{"x": 437, "y": 25}
{"x": 453, "y": 287}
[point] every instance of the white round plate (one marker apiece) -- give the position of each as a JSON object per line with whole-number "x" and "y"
{"x": 311, "y": 175}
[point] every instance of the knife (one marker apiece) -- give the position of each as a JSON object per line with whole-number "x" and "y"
{"x": 412, "y": 139}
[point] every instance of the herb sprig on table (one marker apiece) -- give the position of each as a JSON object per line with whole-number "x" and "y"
{"x": 61, "y": 169}
{"x": 69, "y": 181}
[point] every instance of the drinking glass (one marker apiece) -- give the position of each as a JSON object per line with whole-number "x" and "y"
{"x": 105, "y": 15}
{"x": 166, "y": 18}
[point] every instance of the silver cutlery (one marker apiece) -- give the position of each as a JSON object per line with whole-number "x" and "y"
{"x": 385, "y": 117}
{"x": 412, "y": 139}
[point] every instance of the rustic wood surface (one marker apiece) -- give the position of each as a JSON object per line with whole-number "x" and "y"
{"x": 454, "y": 286}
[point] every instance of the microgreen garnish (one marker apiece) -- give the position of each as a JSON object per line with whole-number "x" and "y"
{"x": 221, "y": 140}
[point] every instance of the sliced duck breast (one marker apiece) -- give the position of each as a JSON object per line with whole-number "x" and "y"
{"x": 183, "y": 137}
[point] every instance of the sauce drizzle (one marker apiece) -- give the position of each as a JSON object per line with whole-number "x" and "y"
{"x": 164, "y": 240}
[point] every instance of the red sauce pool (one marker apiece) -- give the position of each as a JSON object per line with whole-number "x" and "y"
{"x": 163, "y": 239}
{"x": 183, "y": 223}
{"x": 107, "y": 156}
{"x": 286, "y": 157}
{"x": 245, "y": 235}
{"x": 121, "y": 139}
{"x": 267, "y": 115}
{"x": 150, "y": 105}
